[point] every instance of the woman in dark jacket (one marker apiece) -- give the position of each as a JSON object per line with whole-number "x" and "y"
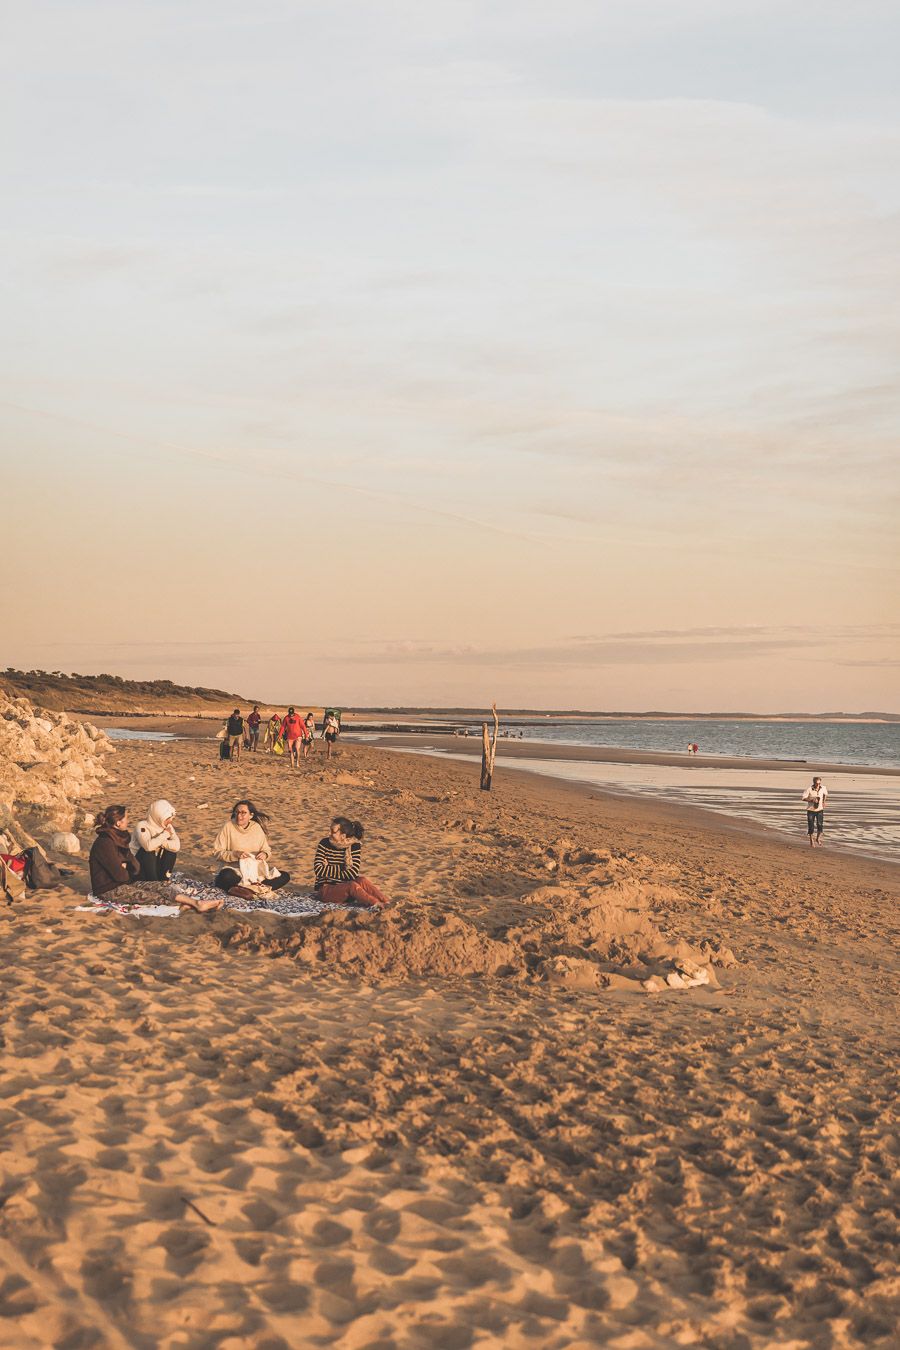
{"x": 115, "y": 870}
{"x": 112, "y": 862}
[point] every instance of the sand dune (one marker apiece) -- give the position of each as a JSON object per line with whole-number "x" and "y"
{"x": 462, "y": 1122}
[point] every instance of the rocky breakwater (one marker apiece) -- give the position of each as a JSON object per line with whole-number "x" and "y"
{"x": 48, "y": 763}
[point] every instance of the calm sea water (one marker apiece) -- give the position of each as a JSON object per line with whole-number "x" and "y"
{"x": 129, "y": 734}
{"x": 873, "y": 743}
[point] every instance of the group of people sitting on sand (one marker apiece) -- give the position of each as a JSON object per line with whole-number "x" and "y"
{"x": 135, "y": 866}
{"x": 292, "y": 734}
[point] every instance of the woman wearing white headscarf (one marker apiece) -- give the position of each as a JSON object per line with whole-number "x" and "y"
{"x": 155, "y": 843}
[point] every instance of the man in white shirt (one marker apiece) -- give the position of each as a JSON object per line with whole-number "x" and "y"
{"x": 815, "y": 798}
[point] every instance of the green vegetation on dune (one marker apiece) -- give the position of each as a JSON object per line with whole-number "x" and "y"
{"x": 55, "y": 689}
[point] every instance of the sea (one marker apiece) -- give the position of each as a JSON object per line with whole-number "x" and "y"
{"x": 860, "y": 743}
{"x": 863, "y": 809}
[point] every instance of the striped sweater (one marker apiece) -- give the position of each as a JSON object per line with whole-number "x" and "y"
{"x": 330, "y": 863}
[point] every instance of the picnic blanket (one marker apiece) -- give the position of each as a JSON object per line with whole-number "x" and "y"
{"x": 148, "y": 899}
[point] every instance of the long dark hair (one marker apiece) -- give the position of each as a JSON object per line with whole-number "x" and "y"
{"x": 109, "y": 818}
{"x": 259, "y": 816}
{"x": 351, "y": 828}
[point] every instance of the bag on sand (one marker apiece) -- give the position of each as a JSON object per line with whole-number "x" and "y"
{"x": 12, "y": 882}
{"x": 224, "y": 750}
{"x": 40, "y": 873}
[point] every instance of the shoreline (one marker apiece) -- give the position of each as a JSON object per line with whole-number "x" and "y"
{"x": 190, "y": 727}
{"x": 705, "y": 816}
{"x": 759, "y": 796}
{"x": 601, "y": 754}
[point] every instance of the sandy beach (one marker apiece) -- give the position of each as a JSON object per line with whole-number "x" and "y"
{"x": 463, "y": 1121}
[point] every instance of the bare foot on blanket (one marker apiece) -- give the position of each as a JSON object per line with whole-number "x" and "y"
{"x": 201, "y": 906}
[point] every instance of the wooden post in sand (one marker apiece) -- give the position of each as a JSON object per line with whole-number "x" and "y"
{"x": 488, "y": 751}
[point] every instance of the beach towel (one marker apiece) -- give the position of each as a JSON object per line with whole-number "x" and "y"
{"x": 293, "y": 906}
{"x": 100, "y": 906}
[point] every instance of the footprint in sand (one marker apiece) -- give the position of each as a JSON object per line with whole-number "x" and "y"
{"x": 186, "y": 1248}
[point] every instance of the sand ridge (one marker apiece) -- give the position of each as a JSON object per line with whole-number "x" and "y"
{"x": 211, "y": 1139}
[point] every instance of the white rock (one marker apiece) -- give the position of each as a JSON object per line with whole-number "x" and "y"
{"x": 65, "y": 843}
{"x": 675, "y": 981}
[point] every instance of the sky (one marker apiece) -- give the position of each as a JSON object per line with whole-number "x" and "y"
{"x": 390, "y": 354}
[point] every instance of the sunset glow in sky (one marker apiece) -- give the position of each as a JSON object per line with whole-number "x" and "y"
{"x": 391, "y": 353}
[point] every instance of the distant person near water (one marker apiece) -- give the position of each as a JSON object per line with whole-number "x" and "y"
{"x": 337, "y": 866}
{"x": 309, "y": 734}
{"x": 234, "y": 730}
{"x": 815, "y": 797}
{"x": 273, "y": 732}
{"x": 253, "y": 722}
{"x": 331, "y": 729}
{"x": 292, "y": 731}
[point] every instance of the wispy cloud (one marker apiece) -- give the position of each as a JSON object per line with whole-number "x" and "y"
{"x": 655, "y": 647}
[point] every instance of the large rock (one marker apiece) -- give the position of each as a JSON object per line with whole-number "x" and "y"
{"x": 47, "y": 763}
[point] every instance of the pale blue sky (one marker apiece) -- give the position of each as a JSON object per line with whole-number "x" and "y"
{"x": 430, "y": 340}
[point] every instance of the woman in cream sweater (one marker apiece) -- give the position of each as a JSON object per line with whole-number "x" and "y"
{"x": 243, "y": 837}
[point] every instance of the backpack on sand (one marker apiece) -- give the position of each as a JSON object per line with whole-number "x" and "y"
{"x": 40, "y": 873}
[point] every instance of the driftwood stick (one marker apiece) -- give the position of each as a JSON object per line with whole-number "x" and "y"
{"x": 488, "y": 750}
{"x": 190, "y": 1204}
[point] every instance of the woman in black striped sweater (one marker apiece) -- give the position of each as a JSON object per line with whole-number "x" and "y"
{"x": 337, "y": 867}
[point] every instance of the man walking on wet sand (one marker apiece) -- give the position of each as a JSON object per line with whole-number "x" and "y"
{"x": 815, "y": 798}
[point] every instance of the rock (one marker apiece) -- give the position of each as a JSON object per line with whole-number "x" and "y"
{"x": 653, "y": 985}
{"x": 65, "y": 843}
{"x": 47, "y": 762}
{"x": 675, "y": 981}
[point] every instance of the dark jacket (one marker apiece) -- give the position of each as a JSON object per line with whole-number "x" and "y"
{"x": 111, "y": 860}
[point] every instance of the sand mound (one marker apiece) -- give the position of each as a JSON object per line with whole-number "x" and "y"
{"x": 48, "y": 762}
{"x": 574, "y": 939}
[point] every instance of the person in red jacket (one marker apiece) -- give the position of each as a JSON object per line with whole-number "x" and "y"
{"x": 292, "y": 731}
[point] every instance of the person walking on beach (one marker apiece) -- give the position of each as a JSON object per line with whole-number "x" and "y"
{"x": 309, "y": 732}
{"x": 337, "y": 866}
{"x": 253, "y": 722}
{"x": 292, "y": 731}
{"x": 331, "y": 729}
{"x": 815, "y": 797}
{"x": 155, "y": 843}
{"x": 235, "y": 733}
{"x": 273, "y": 732}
